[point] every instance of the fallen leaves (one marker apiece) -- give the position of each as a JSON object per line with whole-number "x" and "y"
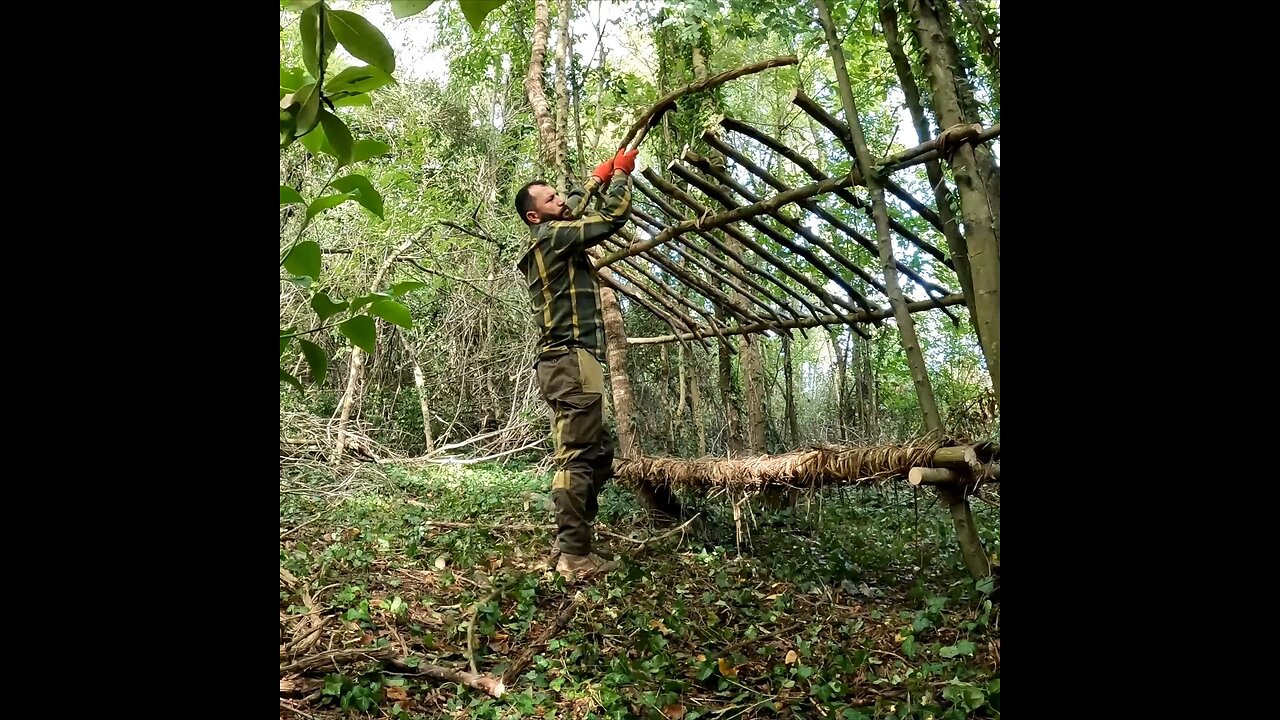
{"x": 792, "y": 657}
{"x": 726, "y": 669}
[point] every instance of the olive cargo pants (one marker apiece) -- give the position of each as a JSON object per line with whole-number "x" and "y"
{"x": 571, "y": 381}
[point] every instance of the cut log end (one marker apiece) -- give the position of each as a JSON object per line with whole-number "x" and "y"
{"x": 933, "y": 476}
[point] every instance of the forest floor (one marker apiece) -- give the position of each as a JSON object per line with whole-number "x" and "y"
{"x": 850, "y": 605}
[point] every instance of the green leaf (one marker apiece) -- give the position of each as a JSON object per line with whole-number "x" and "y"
{"x": 302, "y": 282}
{"x": 409, "y": 8}
{"x": 393, "y": 312}
{"x": 965, "y": 695}
{"x": 360, "y": 331}
{"x": 361, "y": 100}
{"x": 284, "y": 343}
{"x": 289, "y": 195}
{"x": 363, "y": 191}
{"x": 362, "y": 79}
{"x": 326, "y": 308}
{"x": 476, "y": 10}
{"x": 366, "y": 149}
{"x": 362, "y": 39}
{"x": 308, "y": 113}
{"x": 316, "y": 359}
{"x": 359, "y": 302}
{"x": 324, "y": 203}
{"x": 339, "y": 137}
{"x": 398, "y": 606}
{"x": 309, "y": 27}
{"x": 317, "y": 142}
{"x": 291, "y": 78}
{"x": 909, "y": 646}
{"x": 296, "y": 5}
{"x": 285, "y": 376}
{"x": 966, "y": 647}
{"x": 400, "y": 288}
{"x": 304, "y": 259}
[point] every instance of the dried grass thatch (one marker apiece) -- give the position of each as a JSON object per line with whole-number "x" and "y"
{"x": 805, "y": 469}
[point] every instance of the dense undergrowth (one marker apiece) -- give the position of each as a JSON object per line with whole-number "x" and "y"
{"x": 853, "y": 604}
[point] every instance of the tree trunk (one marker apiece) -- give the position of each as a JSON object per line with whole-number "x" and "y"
{"x": 677, "y": 416}
{"x": 533, "y": 83}
{"x": 351, "y": 396}
{"x": 419, "y": 382}
{"x": 728, "y": 393}
{"x": 966, "y": 534}
{"x": 562, "y": 97}
{"x": 838, "y": 359}
{"x": 906, "y": 326}
{"x": 695, "y": 405}
{"x": 793, "y": 425}
{"x": 665, "y": 505}
{"x": 977, "y": 178}
{"x": 624, "y": 413}
{"x": 753, "y": 376}
{"x": 941, "y": 193}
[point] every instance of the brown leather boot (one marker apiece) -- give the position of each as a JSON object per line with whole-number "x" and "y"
{"x": 577, "y": 567}
{"x": 599, "y": 547}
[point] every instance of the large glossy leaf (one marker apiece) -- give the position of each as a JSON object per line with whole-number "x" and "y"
{"x": 324, "y": 203}
{"x": 362, "y": 79}
{"x": 308, "y": 113}
{"x": 407, "y": 286}
{"x": 392, "y": 312}
{"x": 289, "y": 195}
{"x": 366, "y": 149}
{"x": 361, "y": 301}
{"x": 304, "y": 259}
{"x": 317, "y": 359}
{"x": 361, "y": 332}
{"x": 309, "y": 27}
{"x": 476, "y": 10}
{"x": 338, "y": 136}
{"x": 362, "y": 189}
{"x": 286, "y": 376}
{"x": 291, "y": 79}
{"x": 360, "y": 100}
{"x": 326, "y": 308}
{"x": 362, "y": 39}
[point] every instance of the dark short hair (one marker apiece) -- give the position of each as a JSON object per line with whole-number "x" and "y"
{"x": 524, "y": 200}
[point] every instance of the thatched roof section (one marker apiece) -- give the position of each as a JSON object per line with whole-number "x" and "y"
{"x": 807, "y": 469}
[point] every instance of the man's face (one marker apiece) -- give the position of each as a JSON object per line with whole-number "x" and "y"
{"x": 547, "y": 204}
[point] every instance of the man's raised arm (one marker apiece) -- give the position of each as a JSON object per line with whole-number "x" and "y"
{"x": 592, "y": 229}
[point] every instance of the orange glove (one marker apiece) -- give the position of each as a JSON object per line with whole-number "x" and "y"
{"x": 603, "y": 171}
{"x": 626, "y": 160}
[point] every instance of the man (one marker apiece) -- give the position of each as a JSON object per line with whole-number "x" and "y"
{"x": 565, "y": 296}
